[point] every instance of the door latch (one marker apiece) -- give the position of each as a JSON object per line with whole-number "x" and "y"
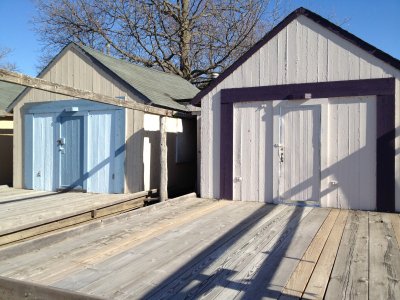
{"x": 280, "y": 152}
{"x": 61, "y": 142}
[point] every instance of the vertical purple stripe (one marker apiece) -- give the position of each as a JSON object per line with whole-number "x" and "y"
{"x": 226, "y": 150}
{"x": 385, "y": 153}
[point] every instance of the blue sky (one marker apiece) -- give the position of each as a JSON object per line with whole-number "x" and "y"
{"x": 376, "y": 22}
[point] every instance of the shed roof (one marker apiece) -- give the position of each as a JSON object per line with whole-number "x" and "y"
{"x": 160, "y": 88}
{"x": 271, "y": 34}
{"x": 8, "y": 92}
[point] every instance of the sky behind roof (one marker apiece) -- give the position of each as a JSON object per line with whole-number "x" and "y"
{"x": 376, "y": 22}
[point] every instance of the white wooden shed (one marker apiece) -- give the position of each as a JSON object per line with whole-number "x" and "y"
{"x": 62, "y": 142}
{"x": 310, "y": 114}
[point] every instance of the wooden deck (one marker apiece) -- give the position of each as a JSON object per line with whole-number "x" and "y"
{"x": 219, "y": 249}
{"x": 26, "y": 213}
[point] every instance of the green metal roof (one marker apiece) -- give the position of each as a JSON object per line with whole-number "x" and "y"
{"x": 8, "y": 92}
{"x": 160, "y": 88}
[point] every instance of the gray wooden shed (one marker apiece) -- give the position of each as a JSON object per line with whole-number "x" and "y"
{"x": 310, "y": 114}
{"x": 66, "y": 143}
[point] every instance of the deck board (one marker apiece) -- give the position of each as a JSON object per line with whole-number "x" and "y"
{"x": 349, "y": 278}
{"x": 22, "y": 212}
{"x": 384, "y": 259}
{"x": 209, "y": 249}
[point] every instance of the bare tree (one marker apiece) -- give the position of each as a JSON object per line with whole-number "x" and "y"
{"x": 191, "y": 38}
{"x": 4, "y": 52}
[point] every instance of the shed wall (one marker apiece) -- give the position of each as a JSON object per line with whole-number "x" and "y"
{"x": 72, "y": 69}
{"x": 345, "y": 146}
{"x": 302, "y": 52}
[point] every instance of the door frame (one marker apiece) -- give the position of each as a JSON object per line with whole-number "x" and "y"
{"x": 382, "y": 88}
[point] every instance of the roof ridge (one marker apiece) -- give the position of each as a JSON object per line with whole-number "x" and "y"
{"x": 121, "y": 60}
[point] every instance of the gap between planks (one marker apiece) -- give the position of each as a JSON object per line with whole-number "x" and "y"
{"x": 319, "y": 279}
{"x": 297, "y": 282}
{"x": 136, "y": 239}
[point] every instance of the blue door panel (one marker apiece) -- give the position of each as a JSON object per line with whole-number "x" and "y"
{"x": 71, "y": 152}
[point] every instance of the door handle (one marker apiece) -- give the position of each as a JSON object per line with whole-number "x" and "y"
{"x": 280, "y": 154}
{"x": 61, "y": 142}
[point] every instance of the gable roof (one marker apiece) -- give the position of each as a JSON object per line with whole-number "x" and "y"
{"x": 8, "y": 92}
{"x": 158, "y": 88}
{"x": 292, "y": 16}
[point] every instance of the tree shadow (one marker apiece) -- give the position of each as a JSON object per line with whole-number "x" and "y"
{"x": 190, "y": 282}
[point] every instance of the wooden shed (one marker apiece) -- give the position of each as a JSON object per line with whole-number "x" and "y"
{"x": 66, "y": 143}
{"x": 310, "y": 114}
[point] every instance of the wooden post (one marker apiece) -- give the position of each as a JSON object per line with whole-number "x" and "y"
{"x": 163, "y": 160}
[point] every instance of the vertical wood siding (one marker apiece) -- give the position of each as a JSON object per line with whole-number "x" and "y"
{"x": 71, "y": 69}
{"x": 344, "y": 135}
{"x": 101, "y": 150}
{"x": 299, "y": 156}
{"x": 352, "y": 153}
{"x": 99, "y": 165}
{"x": 252, "y": 152}
{"x": 44, "y": 172}
{"x": 72, "y": 152}
{"x": 134, "y": 148}
{"x": 302, "y": 52}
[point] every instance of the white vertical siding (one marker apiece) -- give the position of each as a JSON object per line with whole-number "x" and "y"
{"x": 44, "y": 177}
{"x": 303, "y": 52}
{"x": 101, "y": 150}
{"x": 343, "y": 151}
{"x": 352, "y": 157}
{"x": 252, "y": 158}
{"x": 300, "y": 141}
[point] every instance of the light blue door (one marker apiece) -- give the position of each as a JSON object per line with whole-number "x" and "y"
{"x": 70, "y": 146}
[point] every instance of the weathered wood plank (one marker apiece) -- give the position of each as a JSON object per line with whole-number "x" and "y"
{"x": 319, "y": 279}
{"x": 196, "y": 238}
{"x": 395, "y": 219}
{"x": 129, "y": 241}
{"x": 349, "y": 278}
{"x": 267, "y": 273}
{"x": 163, "y": 160}
{"x": 212, "y": 270}
{"x": 152, "y": 254}
{"x": 15, "y": 289}
{"x": 45, "y": 85}
{"x": 24, "y": 256}
{"x": 216, "y": 287}
{"x": 384, "y": 259}
{"x": 299, "y": 278}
